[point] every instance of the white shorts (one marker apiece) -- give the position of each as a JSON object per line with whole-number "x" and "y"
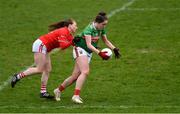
{"x": 78, "y": 51}
{"x": 39, "y": 47}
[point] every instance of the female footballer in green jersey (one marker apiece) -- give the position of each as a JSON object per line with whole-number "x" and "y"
{"x": 85, "y": 44}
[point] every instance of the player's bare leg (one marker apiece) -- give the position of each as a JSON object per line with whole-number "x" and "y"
{"x": 44, "y": 79}
{"x": 40, "y": 60}
{"x": 83, "y": 65}
{"x": 67, "y": 82}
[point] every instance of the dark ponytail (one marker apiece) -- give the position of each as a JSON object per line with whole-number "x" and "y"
{"x": 102, "y": 13}
{"x": 101, "y": 17}
{"x": 64, "y": 23}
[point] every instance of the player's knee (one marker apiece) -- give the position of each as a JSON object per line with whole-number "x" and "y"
{"x": 40, "y": 69}
{"x": 85, "y": 72}
{"x": 75, "y": 74}
{"x": 48, "y": 69}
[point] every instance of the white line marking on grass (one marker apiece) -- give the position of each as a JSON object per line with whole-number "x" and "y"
{"x": 121, "y": 9}
{"x": 85, "y": 106}
{"x": 112, "y": 13}
{"x": 7, "y": 82}
{"x": 153, "y": 9}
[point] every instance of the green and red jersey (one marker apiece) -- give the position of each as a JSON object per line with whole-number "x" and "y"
{"x": 95, "y": 34}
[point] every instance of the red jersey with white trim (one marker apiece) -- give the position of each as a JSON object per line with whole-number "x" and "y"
{"x": 59, "y": 38}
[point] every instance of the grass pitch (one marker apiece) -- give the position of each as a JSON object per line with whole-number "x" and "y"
{"x": 145, "y": 79}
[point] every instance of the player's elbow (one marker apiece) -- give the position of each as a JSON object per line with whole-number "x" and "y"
{"x": 89, "y": 46}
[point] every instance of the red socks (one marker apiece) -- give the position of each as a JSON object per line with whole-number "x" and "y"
{"x": 77, "y": 92}
{"x": 21, "y": 75}
{"x": 61, "y": 88}
{"x": 43, "y": 88}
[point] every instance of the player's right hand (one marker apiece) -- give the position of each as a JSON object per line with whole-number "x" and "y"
{"x": 103, "y": 55}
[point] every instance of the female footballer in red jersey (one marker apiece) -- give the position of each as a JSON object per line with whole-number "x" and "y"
{"x": 60, "y": 36}
{"x": 85, "y": 44}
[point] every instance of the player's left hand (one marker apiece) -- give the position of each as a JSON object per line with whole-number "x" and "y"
{"x": 117, "y": 53}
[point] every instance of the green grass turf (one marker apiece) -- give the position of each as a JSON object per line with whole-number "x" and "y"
{"x": 145, "y": 79}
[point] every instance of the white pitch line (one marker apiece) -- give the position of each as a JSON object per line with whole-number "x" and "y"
{"x": 87, "y": 106}
{"x": 153, "y": 9}
{"x": 7, "y": 82}
{"x": 124, "y": 7}
{"x": 112, "y": 13}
